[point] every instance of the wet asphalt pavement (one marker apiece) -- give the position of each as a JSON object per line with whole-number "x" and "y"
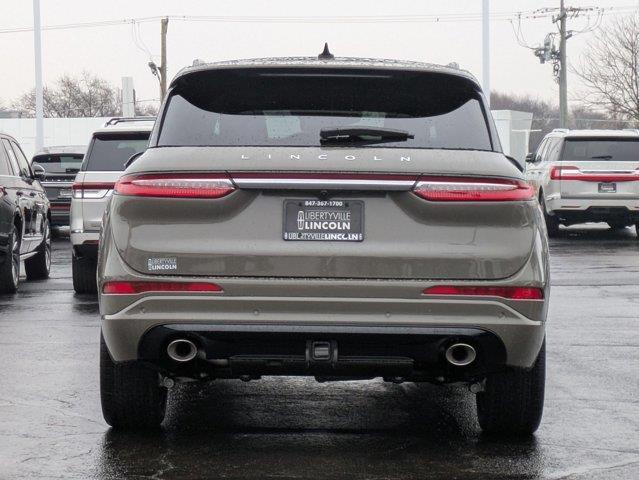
{"x": 51, "y": 425}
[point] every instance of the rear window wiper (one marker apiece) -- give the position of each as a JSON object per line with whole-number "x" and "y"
{"x": 603, "y": 157}
{"x": 363, "y": 135}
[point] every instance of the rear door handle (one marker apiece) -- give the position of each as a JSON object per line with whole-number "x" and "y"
{"x": 19, "y": 193}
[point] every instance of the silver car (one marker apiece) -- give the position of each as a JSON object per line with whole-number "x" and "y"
{"x": 587, "y": 176}
{"x": 339, "y": 219}
{"x": 109, "y": 150}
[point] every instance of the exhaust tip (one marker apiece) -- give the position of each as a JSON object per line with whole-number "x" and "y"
{"x": 460, "y": 354}
{"x": 181, "y": 350}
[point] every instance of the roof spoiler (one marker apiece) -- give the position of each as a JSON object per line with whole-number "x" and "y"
{"x": 116, "y": 120}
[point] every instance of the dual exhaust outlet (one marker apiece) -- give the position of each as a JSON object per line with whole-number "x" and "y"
{"x": 183, "y": 350}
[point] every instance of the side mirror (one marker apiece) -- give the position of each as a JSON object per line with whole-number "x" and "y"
{"x": 39, "y": 173}
{"x": 530, "y": 158}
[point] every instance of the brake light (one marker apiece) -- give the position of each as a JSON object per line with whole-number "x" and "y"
{"x": 463, "y": 189}
{"x": 512, "y": 293}
{"x": 91, "y": 189}
{"x": 132, "y": 288}
{"x": 189, "y": 185}
{"x": 574, "y": 173}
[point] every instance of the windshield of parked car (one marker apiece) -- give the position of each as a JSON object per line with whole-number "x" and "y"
{"x": 66, "y": 163}
{"x": 598, "y": 149}
{"x": 110, "y": 151}
{"x": 293, "y": 108}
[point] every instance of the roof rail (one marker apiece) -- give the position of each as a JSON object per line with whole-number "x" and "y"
{"x": 560, "y": 130}
{"x": 116, "y": 120}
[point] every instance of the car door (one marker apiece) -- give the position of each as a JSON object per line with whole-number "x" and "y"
{"x": 36, "y": 194}
{"x": 533, "y": 170}
{"x": 16, "y": 191}
{"x": 24, "y": 196}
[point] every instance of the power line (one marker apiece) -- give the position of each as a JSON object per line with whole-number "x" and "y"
{"x": 431, "y": 18}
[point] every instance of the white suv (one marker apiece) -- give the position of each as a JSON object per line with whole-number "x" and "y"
{"x": 587, "y": 176}
{"x": 109, "y": 150}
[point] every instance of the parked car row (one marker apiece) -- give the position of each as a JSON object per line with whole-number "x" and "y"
{"x": 60, "y": 187}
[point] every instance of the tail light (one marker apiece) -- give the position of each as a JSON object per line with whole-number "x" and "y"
{"x": 574, "y": 173}
{"x": 132, "y": 288}
{"x": 512, "y": 293}
{"x": 91, "y": 189}
{"x": 187, "y": 185}
{"x": 463, "y": 189}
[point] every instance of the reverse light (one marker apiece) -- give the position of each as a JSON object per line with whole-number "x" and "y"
{"x": 91, "y": 189}
{"x": 132, "y": 288}
{"x": 189, "y": 185}
{"x": 574, "y": 173}
{"x": 463, "y": 189}
{"x": 512, "y": 293}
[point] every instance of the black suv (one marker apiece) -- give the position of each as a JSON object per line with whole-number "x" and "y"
{"x": 25, "y": 218}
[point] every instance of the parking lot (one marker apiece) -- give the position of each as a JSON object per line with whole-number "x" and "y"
{"x": 51, "y": 424}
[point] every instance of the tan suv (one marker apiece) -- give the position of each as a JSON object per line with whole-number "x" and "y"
{"x": 109, "y": 150}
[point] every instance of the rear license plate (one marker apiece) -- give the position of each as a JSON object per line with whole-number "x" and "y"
{"x": 324, "y": 220}
{"x": 607, "y": 188}
{"x": 64, "y": 193}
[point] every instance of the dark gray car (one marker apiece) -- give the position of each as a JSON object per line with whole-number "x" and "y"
{"x": 343, "y": 219}
{"x": 25, "y": 218}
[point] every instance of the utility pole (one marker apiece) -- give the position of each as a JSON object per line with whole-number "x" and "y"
{"x": 563, "y": 67}
{"x": 39, "y": 95}
{"x": 162, "y": 67}
{"x": 486, "y": 49}
{"x": 559, "y": 58}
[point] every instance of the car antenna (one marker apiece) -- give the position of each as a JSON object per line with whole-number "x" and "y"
{"x": 326, "y": 54}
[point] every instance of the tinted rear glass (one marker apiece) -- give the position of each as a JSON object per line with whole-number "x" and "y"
{"x": 109, "y": 152}
{"x": 271, "y": 108}
{"x": 594, "y": 149}
{"x": 65, "y": 163}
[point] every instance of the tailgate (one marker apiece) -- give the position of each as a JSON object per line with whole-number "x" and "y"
{"x": 393, "y": 233}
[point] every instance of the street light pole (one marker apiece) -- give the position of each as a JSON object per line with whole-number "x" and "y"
{"x": 39, "y": 96}
{"x": 486, "y": 49}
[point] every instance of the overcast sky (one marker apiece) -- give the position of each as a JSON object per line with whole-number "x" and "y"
{"x": 110, "y": 51}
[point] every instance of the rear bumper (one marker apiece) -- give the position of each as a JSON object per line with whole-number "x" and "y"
{"x": 315, "y": 307}
{"x": 622, "y": 215}
{"x": 556, "y": 203}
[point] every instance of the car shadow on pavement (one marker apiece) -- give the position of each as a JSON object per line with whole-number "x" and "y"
{"x": 296, "y": 428}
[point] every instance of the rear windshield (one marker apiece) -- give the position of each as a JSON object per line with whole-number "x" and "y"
{"x": 67, "y": 163}
{"x": 256, "y": 108}
{"x": 597, "y": 149}
{"x": 109, "y": 152}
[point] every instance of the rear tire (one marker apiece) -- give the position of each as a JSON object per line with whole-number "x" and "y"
{"x": 10, "y": 267}
{"x": 39, "y": 266}
{"x": 513, "y": 401}
{"x": 131, "y": 396}
{"x": 84, "y": 271}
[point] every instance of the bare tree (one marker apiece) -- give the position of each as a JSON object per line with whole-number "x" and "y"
{"x": 609, "y": 68}
{"x": 84, "y": 96}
